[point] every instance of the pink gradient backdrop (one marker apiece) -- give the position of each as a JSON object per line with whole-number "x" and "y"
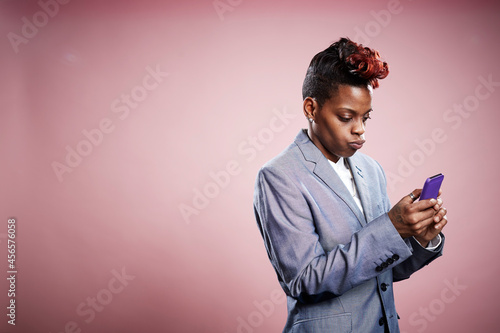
{"x": 227, "y": 78}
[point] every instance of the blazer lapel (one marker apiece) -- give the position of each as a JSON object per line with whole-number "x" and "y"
{"x": 325, "y": 172}
{"x": 362, "y": 188}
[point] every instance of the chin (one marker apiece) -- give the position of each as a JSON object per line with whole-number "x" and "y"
{"x": 349, "y": 154}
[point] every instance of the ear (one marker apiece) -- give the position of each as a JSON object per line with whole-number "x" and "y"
{"x": 310, "y": 107}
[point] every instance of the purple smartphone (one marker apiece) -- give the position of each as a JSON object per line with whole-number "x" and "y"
{"x": 431, "y": 187}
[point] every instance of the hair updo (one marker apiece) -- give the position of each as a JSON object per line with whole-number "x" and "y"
{"x": 343, "y": 62}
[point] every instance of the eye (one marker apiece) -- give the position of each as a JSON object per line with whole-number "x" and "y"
{"x": 365, "y": 118}
{"x": 344, "y": 119}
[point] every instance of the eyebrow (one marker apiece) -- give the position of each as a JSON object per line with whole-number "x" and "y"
{"x": 354, "y": 111}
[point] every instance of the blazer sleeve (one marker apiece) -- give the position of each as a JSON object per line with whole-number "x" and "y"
{"x": 420, "y": 256}
{"x": 305, "y": 270}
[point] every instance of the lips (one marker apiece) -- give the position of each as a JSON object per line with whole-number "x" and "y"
{"x": 357, "y": 144}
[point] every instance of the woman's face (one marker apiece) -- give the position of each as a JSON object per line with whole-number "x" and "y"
{"x": 338, "y": 127}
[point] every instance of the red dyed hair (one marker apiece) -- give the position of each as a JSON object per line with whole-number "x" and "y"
{"x": 343, "y": 62}
{"x": 366, "y": 63}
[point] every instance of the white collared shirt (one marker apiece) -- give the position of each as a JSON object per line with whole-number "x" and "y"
{"x": 344, "y": 172}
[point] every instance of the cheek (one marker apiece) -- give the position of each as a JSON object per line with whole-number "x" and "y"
{"x": 338, "y": 131}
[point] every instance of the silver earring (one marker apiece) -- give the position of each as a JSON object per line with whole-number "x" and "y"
{"x": 310, "y": 120}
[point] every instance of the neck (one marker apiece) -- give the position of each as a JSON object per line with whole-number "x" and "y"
{"x": 317, "y": 143}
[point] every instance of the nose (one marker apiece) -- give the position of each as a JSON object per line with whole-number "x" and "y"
{"x": 359, "y": 127}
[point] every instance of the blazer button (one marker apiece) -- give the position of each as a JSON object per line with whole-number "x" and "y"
{"x": 378, "y": 268}
{"x": 390, "y": 261}
{"x": 395, "y": 257}
{"x": 381, "y": 321}
{"x": 383, "y": 286}
{"x": 384, "y": 264}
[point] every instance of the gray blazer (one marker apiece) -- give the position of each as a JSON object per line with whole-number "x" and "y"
{"x": 335, "y": 264}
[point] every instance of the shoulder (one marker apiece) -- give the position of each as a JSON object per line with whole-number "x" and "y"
{"x": 289, "y": 156}
{"x": 286, "y": 164}
{"x": 293, "y": 158}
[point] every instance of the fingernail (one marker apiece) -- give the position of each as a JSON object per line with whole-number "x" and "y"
{"x": 440, "y": 201}
{"x": 433, "y": 201}
{"x": 436, "y": 226}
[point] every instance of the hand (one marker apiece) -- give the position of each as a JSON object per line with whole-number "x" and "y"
{"x": 439, "y": 221}
{"x": 423, "y": 219}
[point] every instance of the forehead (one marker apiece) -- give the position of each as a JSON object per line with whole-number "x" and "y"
{"x": 354, "y": 98}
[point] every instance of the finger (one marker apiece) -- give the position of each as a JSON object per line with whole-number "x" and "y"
{"x": 442, "y": 223}
{"x": 410, "y": 198}
{"x": 425, "y": 222}
{"x": 439, "y": 215}
{"x": 424, "y": 204}
{"x": 420, "y": 222}
{"x": 418, "y": 212}
{"x": 438, "y": 205}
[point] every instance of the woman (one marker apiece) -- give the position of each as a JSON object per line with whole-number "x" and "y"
{"x": 322, "y": 208}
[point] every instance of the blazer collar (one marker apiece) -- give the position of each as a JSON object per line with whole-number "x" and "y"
{"x": 325, "y": 172}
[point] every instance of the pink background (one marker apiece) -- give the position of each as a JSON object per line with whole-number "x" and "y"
{"x": 118, "y": 210}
